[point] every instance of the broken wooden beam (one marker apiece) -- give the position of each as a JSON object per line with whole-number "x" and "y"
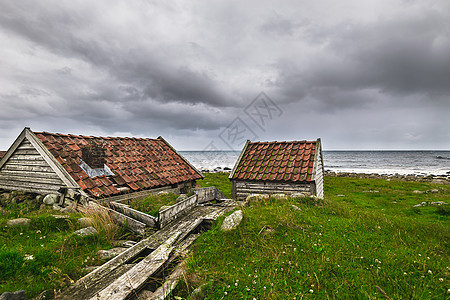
{"x": 135, "y": 214}
{"x": 135, "y": 278}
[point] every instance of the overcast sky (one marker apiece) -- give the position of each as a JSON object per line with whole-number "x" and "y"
{"x": 372, "y": 74}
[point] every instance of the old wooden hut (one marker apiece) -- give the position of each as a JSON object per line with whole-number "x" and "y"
{"x": 97, "y": 167}
{"x": 278, "y": 167}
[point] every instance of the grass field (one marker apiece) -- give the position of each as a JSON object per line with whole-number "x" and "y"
{"x": 365, "y": 240}
{"x": 45, "y": 257}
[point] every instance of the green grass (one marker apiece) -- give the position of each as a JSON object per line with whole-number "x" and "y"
{"x": 366, "y": 235}
{"x": 219, "y": 180}
{"x": 153, "y": 203}
{"x": 58, "y": 257}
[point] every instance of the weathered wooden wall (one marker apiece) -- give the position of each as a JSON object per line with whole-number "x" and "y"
{"x": 26, "y": 170}
{"x": 169, "y": 214}
{"x": 206, "y": 194}
{"x": 318, "y": 178}
{"x": 241, "y": 189}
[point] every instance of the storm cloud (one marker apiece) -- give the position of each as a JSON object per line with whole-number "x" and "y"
{"x": 358, "y": 74}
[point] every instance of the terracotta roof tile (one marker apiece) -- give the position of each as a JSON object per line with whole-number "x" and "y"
{"x": 136, "y": 162}
{"x": 277, "y": 161}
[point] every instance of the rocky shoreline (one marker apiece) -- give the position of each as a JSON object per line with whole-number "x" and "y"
{"x": 436, "y": 179}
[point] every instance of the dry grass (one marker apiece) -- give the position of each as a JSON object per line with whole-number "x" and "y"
{"x": 102, "y": 220}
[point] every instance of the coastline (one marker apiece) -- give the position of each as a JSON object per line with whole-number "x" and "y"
{"x": 436, "y": 179}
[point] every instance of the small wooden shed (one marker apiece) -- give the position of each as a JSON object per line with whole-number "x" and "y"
{"x": 97, "y": 167}
{"x": 278, "y": 167}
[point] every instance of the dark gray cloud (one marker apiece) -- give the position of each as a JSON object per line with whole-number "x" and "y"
{"x": 351, "y": 72}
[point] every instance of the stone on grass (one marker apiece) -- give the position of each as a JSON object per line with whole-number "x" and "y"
{"x": 39, "y": 199}
{"x": 255, "y": 198}
{"x": 110, "y": 253}
{"x": 232, "y": 221}
{"x": 298, "y": 195}
{"x": 51, "y": 199}
{"x": 20, "y": 222}
{"x": 18, "y": 295}
{"x": 84, "y": 222}
{"x": 88, "y": 231}
{"x": 417, "y": 192}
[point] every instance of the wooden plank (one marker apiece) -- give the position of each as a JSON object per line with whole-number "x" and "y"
{"x": 169, "y": 284}
{"x": 206, "y": 194}
{"x": 37, "y": 190}
{"x": 26, "y": 184}
{"x": 169, "y": 214}
{"x": 136, "y": 277}
{"x": 30, "y": 163}
{"x": 140, "y": 194}
{"x": 29, "y": 174}
{"x": 132, "y": 224}
{"x": 26, "y": 152}
{"x": 26, "y": 158}
{"x": 135, "y": 214}
{"x": 25, "y": 178}
{"x": 16, "y": 167}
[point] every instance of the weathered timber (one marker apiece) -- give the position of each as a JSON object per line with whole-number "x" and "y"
{"x": 28, "y": 168}
{"x": 243, "y": 188}
{"x": 97, "y": 280}
{"x": 206, "y": 194}
{"x": 136, "y": 277}
{"x": 132, "y": 224}
{"x": 29, "y": 187}
{"x": 169, "y": 284}
{"x": 28, "y": 176}
{"x": 220, "y": 195}
{"x": 139, "y": 195}
{"x": 135, "y": 214}
{"x": 171, "y": 213}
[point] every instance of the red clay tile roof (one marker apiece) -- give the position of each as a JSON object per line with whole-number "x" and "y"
{"x": 138, "y": 163}
{"x": 276, "y": 161}
{"x": 2, "y": 153}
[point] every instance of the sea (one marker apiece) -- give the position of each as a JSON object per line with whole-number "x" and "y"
{"x": 421, "y": 163}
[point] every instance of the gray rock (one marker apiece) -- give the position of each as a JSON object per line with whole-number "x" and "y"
{"x": 438, "y": 203}
{"x": 18, "y": 295}
{"x": 40, "y": 199}
{"x": 68, "y": 203}
{"x": 417, "y": 192}
{"x": 298, "y": 195}
{"x": 232, "y": 221}
{"x": 280, "y": 196}
{"x": 434, "y": 191}
{"x": 84, "y": 222}
{"x": 255, "y": 198}
{"x": 88, "y": 231}
{"x": 20, "y": 222}
{"x": 421, "y": 204}
{"x": 51, "y": 199}
{"x": 108, "y": 254}
{"x": 57, "y": 207}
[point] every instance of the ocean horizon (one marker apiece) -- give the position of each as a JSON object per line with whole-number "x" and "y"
{"x": 383, "y": 162}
